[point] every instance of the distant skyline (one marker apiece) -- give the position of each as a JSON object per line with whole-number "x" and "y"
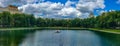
{"x": 63, "y": 8}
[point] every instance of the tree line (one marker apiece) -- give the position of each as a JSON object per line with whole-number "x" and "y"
{"x": 105, "y": 20}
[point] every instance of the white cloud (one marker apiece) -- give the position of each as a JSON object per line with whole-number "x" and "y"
{"x": 90, "y": 5}
{"x": 5, "y": 3}
{"x": 118, "y": 2}
{"x": 70, "y": 12}
{"x": 56, "y": 10}
{"x": 69, "y": 3}
{"x": 50, "y": 10}
{"x": 102, "y": 11}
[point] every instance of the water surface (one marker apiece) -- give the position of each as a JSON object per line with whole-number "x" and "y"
{"x": 64, "y": 38}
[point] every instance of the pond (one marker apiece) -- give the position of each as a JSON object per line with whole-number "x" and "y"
{"x": 63, "y": 38}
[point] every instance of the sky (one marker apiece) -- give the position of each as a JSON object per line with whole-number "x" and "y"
{"x": 63, "y": 8}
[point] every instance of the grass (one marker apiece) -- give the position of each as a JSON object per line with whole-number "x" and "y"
{"x": 64, "y": 28}
{"x": 115, "y": 31}
{"x": 56, "y": 28}
{"x": 21, "y": 28}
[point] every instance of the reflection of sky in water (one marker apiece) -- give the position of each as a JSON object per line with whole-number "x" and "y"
{"x": 65, "y": 38}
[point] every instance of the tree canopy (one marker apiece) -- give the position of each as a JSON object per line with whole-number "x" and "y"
{"x": 105, "y": 20}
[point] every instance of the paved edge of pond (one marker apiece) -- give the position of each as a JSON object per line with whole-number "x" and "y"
{"x": 61, "y": 28}
{"x": 42, "y": 28}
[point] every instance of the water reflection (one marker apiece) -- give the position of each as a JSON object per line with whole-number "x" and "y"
{"x": 108, "y": 39}
{"x": 64, "y": 38}
{"x": 12, "y": 38}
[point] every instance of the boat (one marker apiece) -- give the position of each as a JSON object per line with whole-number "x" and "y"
{"x": 58, "y": 31}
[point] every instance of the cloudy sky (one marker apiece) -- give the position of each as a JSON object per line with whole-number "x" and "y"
{"x": 63, "y": 8}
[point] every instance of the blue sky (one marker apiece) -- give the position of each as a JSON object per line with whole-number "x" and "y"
{"x": 109, "y": 4}
{"x": 63, "y": 8}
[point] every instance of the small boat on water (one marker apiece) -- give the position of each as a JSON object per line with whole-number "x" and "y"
{"x": 58, "y": 31}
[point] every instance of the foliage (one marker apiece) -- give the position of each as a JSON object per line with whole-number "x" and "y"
{"x": 105, "y": 20}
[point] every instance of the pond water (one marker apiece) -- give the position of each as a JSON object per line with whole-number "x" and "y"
{"x": 64, "y": 38}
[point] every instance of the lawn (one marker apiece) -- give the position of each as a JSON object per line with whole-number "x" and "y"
{"x": 116, "y": 31}
{"x": 64, "y": 28}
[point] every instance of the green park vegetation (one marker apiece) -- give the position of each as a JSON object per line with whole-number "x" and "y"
{"x": 107, "y": 20}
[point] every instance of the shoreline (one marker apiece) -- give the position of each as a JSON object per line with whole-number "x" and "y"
{"x": 114, "y": 31}
{"x": 42, "y": 28}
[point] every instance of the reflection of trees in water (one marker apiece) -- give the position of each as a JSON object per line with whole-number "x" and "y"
{"x": 109, "y": 39}
{"x": 12, "y": 38}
